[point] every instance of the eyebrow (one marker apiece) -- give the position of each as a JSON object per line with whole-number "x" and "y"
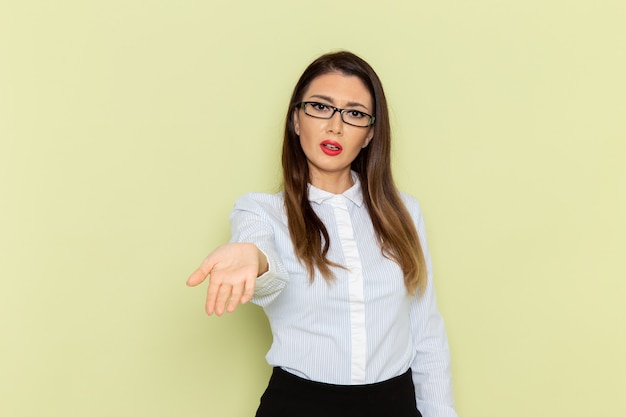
{"x": 329, "y": 99}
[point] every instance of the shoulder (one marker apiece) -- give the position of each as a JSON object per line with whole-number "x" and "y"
{"x": 260, "y": 204}
{"x": 260, "y": 199}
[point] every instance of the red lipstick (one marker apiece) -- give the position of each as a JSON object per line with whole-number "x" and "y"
{"x": 330, "y": 147}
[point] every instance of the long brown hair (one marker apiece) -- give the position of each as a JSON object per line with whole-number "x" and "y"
{"x": 395, "y": 230}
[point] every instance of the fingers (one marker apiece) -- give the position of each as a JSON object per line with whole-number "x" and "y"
{"x": 235, "y": 298}
{"x": 224, "y": 296}
{"x": 241, "y": 294}
{"x": 211, "y": 296}
{"x": 248, "y": 290}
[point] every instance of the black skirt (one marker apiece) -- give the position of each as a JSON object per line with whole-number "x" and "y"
{"x": 288, "y": 395}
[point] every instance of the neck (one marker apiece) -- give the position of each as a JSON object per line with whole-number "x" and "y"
{"x": 335, "y": 183}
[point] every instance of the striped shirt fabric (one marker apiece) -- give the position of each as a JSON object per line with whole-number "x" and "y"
{"x": 360, "y": 328}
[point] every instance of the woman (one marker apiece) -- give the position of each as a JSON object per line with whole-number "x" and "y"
{"x": 338, "y": 261}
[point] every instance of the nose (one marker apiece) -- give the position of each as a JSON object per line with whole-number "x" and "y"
{"x": 335, "y": 123}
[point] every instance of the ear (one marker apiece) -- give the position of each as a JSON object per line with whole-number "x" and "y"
{"x": 368, "y": 138}
{"x": 296, "y": 122}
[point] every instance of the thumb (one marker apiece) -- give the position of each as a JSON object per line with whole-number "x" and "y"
{"x": 200, "y": 274}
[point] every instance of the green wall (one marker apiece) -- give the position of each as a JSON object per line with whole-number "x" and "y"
{"x": 128, "y": 128}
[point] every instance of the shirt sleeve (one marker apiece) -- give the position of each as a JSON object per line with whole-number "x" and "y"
{"x": 251, "y": 222}
{"x": 431, "y": 365}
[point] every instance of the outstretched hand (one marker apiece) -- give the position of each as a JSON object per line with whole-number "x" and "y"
{"x": 233, "y": 270}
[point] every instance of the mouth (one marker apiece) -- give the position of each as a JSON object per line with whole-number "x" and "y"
{"x": 330, "y": 147}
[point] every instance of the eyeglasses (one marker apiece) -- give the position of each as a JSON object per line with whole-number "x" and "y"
{"x": 325, "y": 111}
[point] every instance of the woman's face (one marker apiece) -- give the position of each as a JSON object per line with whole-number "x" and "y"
{"x": 330, "y": 145}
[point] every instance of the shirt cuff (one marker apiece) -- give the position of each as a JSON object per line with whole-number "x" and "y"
{"x": 267, "y": 277}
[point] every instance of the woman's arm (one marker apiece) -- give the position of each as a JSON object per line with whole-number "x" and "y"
{"x": 431, "y": 366}
{"x": 250, "y": 266}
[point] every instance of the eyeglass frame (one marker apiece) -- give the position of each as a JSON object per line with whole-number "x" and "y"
{"x": 303, "y": 104}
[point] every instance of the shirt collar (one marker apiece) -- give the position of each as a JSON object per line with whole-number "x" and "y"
{"x": 353, "y": 193}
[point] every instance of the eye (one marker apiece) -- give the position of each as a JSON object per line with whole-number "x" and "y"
{"x": 355, "y": 114}
{"x": 319, "y": 107}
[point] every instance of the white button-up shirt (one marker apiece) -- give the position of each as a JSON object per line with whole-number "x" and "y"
{"x": 361, "y": 328}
